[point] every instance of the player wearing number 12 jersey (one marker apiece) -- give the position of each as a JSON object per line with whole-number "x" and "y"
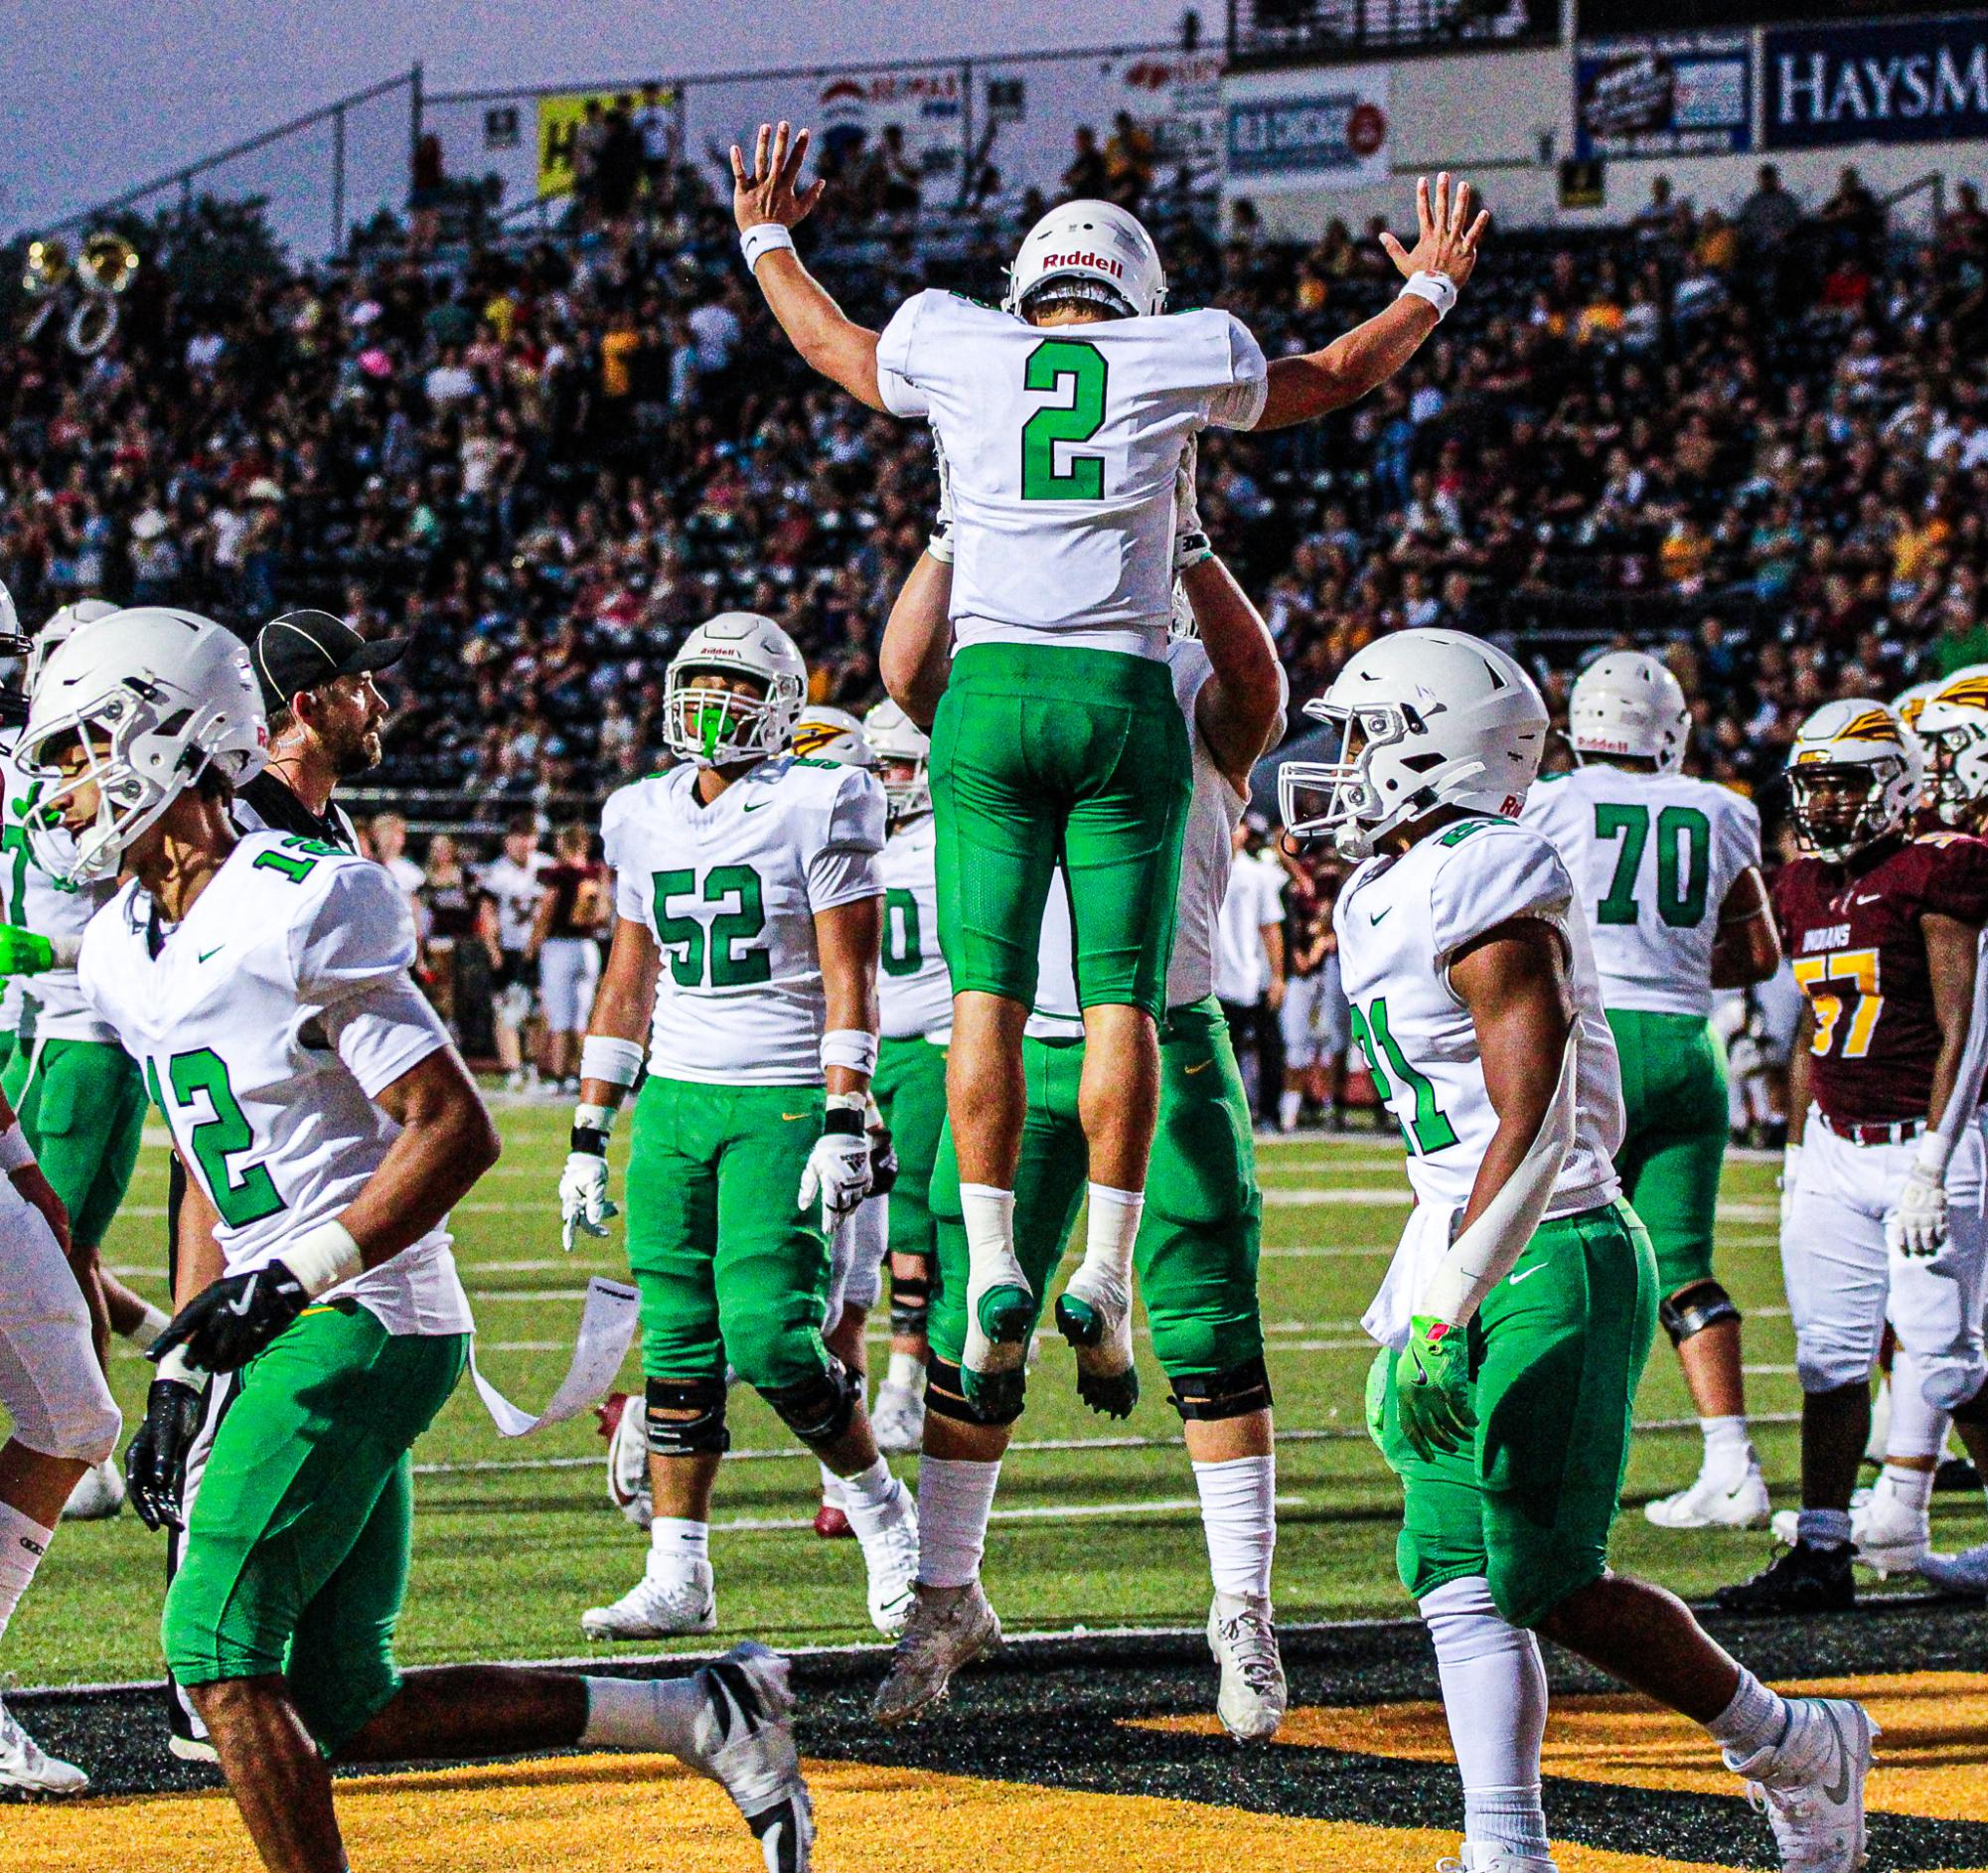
{"x": 1668, "y": 870}
{"x": 1882, "y": 1204}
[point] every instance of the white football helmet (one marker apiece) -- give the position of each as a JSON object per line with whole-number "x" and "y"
{"x": 57, "y": 632}
{"x": 1907, "y": 703}
{"x": 831, "y": 734}
{"x": 893, "y": 736}
{"x": 1096, "y": 242}
{"x": 1952, "y": 728}
{"x": 1426, "y": 719}
{"x": 10, "y": 617}
{"x": 1854, "y": 775}
{"x": 716, "y": 727}
{"x": 156, "y": 695}
{"x": 1628, "y": 704}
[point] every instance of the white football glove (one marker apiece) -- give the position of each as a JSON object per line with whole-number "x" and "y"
{"x": 1190, "y": 544}
{"x": 837, "y": 1172}
{"x": 1917, "y": 1225}
{"x": 584, "y": 1204}
{"x": 1790, "y": 1169}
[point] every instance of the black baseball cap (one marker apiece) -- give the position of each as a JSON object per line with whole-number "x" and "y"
{"x": 303, "y": 649}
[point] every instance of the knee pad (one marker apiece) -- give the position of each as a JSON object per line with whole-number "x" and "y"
{"x": 817, "y": 1410}
{"x": 1208, "y": 1397}
{"x": 910, "y": 1300}
{"x": 686, "y": 1417}
{"x": 1692, "y": 1309}
{"x": 946, "y": 1396}
{"x": 1958, "y": 1387}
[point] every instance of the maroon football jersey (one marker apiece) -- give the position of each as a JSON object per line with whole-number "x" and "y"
{"x": 1852, "y": 933}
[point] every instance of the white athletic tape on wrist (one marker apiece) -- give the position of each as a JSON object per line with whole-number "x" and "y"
{"x": 594, "y": 1118}
{"x": 852, "y": 1047}
{"x": 1483, "y": 1255}
{"x": 1931, "y": 1160}
{"x": 176, "y": 1365}
{"x": 324, "y": 1258}
{"x": 609, "y": 1058}
{"x": 765, "y": 238}
{"x": 1438, "y": 290}
{"x": 16, "y": 1154}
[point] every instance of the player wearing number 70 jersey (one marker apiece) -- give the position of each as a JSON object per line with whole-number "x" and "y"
{"x": 1668, "y": 870}
{"x": 1882, "y": 1196}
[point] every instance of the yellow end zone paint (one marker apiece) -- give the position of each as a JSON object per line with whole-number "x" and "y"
{"x": 618, "y": 1813}
{"x": 1932, "y": 1758}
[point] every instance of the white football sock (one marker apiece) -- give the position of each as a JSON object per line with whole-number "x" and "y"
{"x": 675, "y": 1543}
{"x": 153, "y": 1322}
{"x": 1494, "y": 1698}
{"x": 23, "y": 1542}
{"x": 1289, "y": 1106}
{"x": 641, "y": 1714}
{"x": 1917, "y": 1429}
{"x": 1913, "y": 1488}
{"x": 987, "y": 1215}
{"x": 906, "y": 1370}
{"x": 866, "y": 1496}
{"x": 1239, "y": 1519}
{"x": 1757, "y": 1718}
{"x": 832, "y": 1487}
{"x": 1111, "y": 1229}
{"x": 1823, "y": 1527}
{"x": 1728, "y": 1449}
{"x": 955, "y": 1499}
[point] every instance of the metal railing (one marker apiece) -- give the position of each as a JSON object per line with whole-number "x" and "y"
{"x": 1278, "y": 31}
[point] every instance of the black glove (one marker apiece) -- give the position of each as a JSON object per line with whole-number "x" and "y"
{"x": 155, "y": 1464}
{"x": 882, "y": 1162}
{"x": 231, "y": 1320}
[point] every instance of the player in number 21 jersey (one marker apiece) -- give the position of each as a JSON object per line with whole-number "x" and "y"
{"x": 1518, "y": 1313}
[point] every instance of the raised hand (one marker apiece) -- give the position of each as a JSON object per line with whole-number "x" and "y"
{"x": 771, "y": 189}
{"x": 1447, "y": 236}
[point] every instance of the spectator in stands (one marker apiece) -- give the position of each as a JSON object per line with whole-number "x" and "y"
{"x": 590, "y": 141}
{"x": 656, "y": 126}
{"x": 1129, "y": 158}
{"x": 618, "y": 171}
{"x": 572, "y": 915}
{"x": 1086, "y": 177}
{"x": 1854, "y": 215}
{"x": 426, "y": 184}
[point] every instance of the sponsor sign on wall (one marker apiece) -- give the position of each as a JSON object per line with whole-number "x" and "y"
{"x": 1671, "y": 94}
{"x": 1334, "y": 133}
{"x": 1925, "y": 81}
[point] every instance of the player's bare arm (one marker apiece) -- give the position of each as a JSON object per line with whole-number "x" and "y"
{"x": 1513, "y": 982}
{"x": 769, "y": 194}
{"x": 917, "y": 652}
{"x": 1952, "y": 950}
{"x": 1799, "y": 1072}
{"x": 624, "y": 1003}
{"x": 848, "y": 938}
{"x": 1241, "y": 706}
{"x": 1747, "y": 947}
{"x": 1306, "y": 387}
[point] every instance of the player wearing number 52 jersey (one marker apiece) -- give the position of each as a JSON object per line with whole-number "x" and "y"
{"x": 1065, "y": 416}
{"x": 747, "y": 905}
{"x": 1668, "y": 870}
{"x": 1882, "y": 1195}
{"x": 1519, "y": 1310}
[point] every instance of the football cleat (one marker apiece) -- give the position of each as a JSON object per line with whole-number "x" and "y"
{"x": 98, "y": 1495}
{"x": 621, "y": 1423}
{"x": 949, "y": 1626}
{"x": 891, "y": 1556}
{"x": 659, "y": 1608}
{"x": 24, "y": 1764}
{"x": 1887, "y": 1535}
{"x": 1806, "y": 1579}
{"x": 993, "y": 1364}
{"x": 745, "y": 1742}
{"x": 1252, "y": 1697}
{"x": 1094, "y": 1314}
{"x": 897, "y": 1420}
{"x": 1812, "y": 1784}
{"x": 1964, "y": 1573}
{"x": 1715, "y": 1503}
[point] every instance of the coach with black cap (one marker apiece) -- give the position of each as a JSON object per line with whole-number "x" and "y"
{"x": 325, "y": 719}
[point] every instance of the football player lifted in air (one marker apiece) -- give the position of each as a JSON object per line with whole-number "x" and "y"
{"x": 1065, "y": 414}
{"x": 327, "y": 1128}
{"x": 1882, "y": 1190}
{"x": 747, "y": 906}
{"x": 1516, "y": 1316}
{"x": 1668, "y": 870}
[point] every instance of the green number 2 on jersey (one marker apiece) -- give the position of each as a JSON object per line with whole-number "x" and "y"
{"x": 1052, "y": 366}
{"x": 1430, "y": 1129}
{"x": 240, "y": 1200}
{"x": 1683, "y": 852}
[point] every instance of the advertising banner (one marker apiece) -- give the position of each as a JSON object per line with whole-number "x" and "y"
{"x": 1925, "y": 81}
{"x": 1334, "y": 134}
{"x": 1673, "y": 94}
{"x": 560, "y": 113}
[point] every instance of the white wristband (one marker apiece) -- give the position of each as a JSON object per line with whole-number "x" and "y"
{"x": 1933, "y": 1155}
{"x": 1437, "y": 288}
{"x": 16, "y": 1154}
{"x": 176, "y": 1365}
{"x": 615, "y": 1061}
{"x": 852, "y": 1047}
{"x": 325, "y": 1257}
{"x": 762, "y": 239}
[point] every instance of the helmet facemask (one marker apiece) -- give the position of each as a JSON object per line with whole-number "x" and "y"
{"x": 1355, "y": 812}
{"x": 94, "y": 750}
{"x": 1959, "y": 769}
{"x": 720, "y": 724}
{"x": 907, "y": 787}
{"x": 1841, "y": 807}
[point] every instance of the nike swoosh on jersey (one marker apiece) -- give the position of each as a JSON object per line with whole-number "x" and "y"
{"x": 753, "y": 805}
{"x": 790, "y": 1117}
{"x": 216, "y": 951}
{"x": 1376, "y": 916}
{"x": 1198, "y": 1066}
{"x": 1515, "y": 1276}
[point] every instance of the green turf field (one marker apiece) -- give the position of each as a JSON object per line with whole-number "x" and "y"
{"x": 1096, "y": 1523}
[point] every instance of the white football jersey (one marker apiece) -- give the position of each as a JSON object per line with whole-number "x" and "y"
{"x": 729, "y": 892}
{"x": 914, "y": 992}
{"x": 1400, "y": 920}
{"x": 49, "y": 1005}
{"x": 1207, "y": 850}
{"x": 1652, "y": 857}
{"x": 265, "y": 1024}
{"x": 1062, "y": 444}
{"x": 515, "y": 891}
